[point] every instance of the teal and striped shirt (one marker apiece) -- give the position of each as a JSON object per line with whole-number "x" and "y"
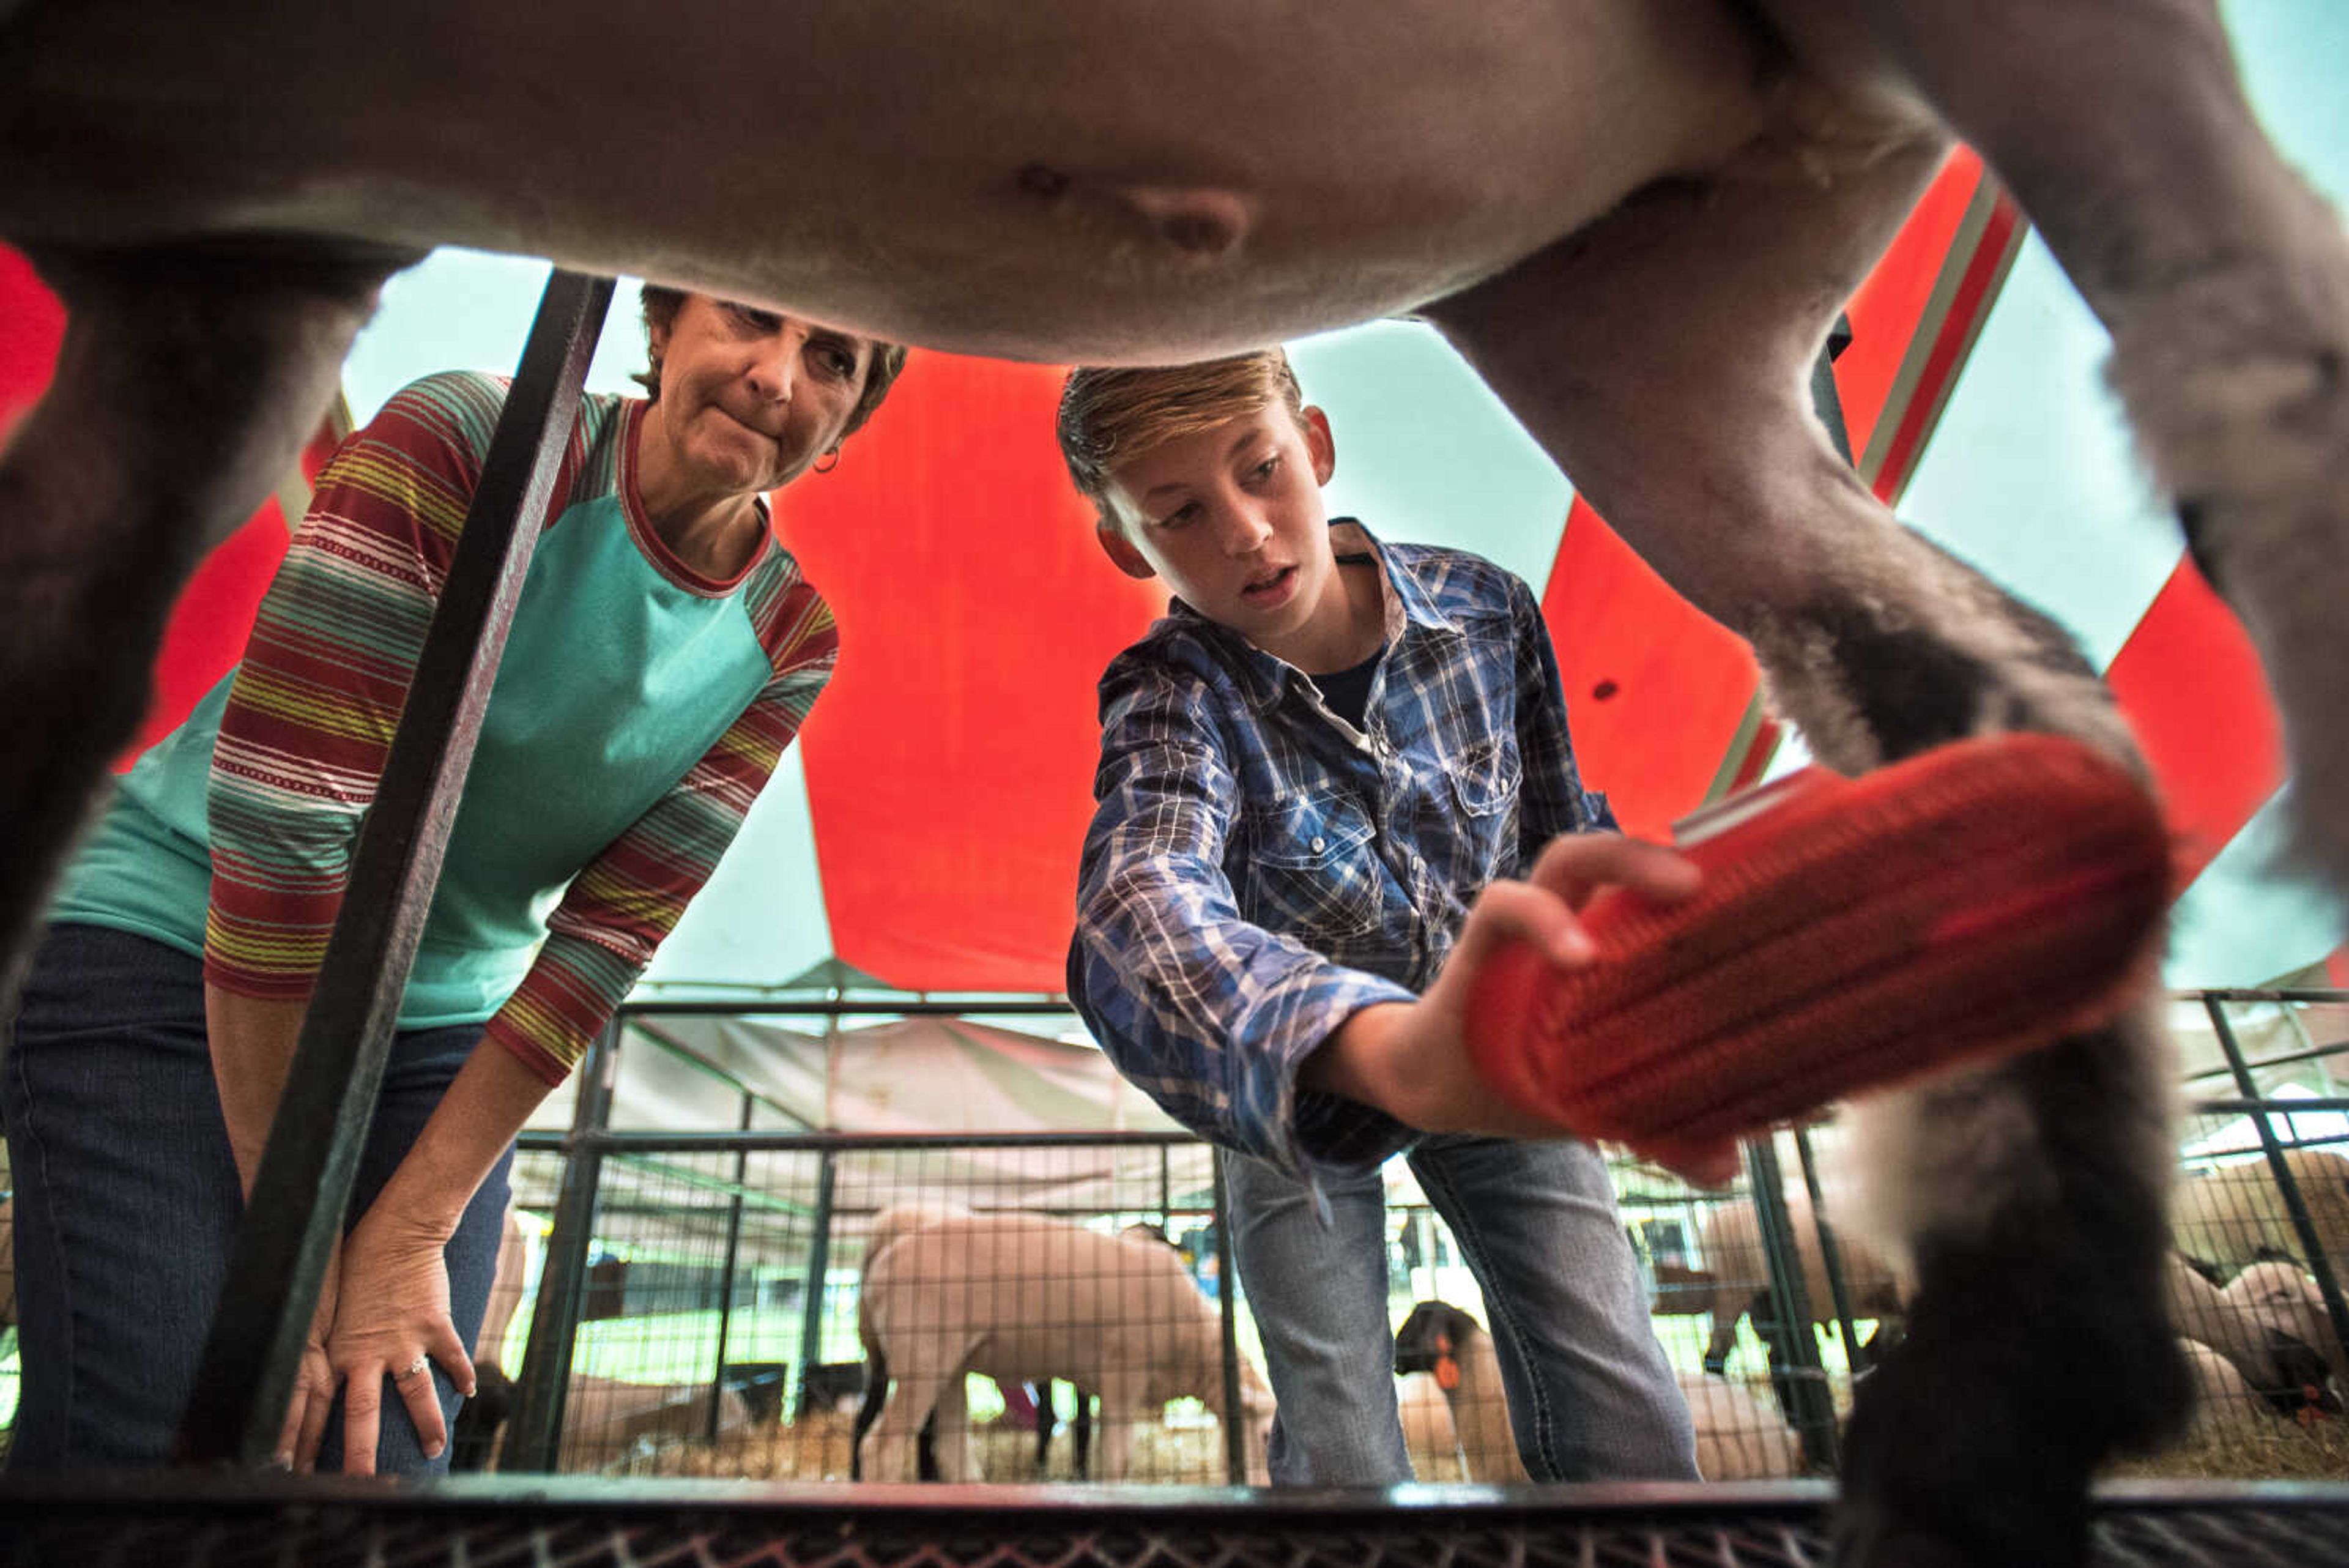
{"x": 638, "y": 712}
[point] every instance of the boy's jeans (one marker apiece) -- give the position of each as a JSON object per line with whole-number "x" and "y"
{"x": 126, "y": 1201}
{"x": 1591, "y": 1397}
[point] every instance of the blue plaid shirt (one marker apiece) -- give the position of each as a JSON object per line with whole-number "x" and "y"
{"x": 1258, "y": 869}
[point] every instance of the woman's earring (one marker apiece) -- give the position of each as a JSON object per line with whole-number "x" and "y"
{"x": 820, "y": 466}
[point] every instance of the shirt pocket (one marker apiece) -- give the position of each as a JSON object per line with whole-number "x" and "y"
{"x": 1310, "y": 871}
{"x": 1486, "y": 777}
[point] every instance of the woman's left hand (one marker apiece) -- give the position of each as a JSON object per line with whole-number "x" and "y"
{"x": 393, "y": 1321}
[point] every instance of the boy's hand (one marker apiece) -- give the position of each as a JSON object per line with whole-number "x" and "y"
{"x": 1412, "y": 1060}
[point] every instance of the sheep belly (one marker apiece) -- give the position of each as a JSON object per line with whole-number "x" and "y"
{"x": 1021, "y": 1300}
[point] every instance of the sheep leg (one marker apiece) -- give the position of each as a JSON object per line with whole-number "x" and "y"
{"x": 896, "y": 1438}
{"x": 1122, "y": 1399}
{"x": 189, "y": 378}
{"x": 2223, "y": 277}
{"x": 1662, "y": 357}
{"x": 1039, "y": 1394}
{"x": 950, "y": 1418}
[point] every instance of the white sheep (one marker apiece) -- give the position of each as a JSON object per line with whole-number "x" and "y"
{"x": 1737, "y": 1438}
{"x": 2225, "y": 1404}
{"x": 1731, "y": 1239}
{"x": 1443, "y": 1340}
{"x": 2235, "y": 1215}
{"x": 1025, "y": 1297}
{"x": 1428, "y": 1434}
{"x": 603, "y": 1418}
{"x": 2285, "y": 1370}
{"x": 2281, "y": 1296}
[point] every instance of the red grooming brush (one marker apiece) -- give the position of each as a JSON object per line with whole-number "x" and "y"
{"x": 1982, "y": 899}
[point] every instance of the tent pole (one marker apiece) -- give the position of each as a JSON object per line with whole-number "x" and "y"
{"x": 726, "y": 1276}
{"x": 819, "y": 1267}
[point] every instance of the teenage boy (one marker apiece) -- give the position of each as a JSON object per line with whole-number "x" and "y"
{"x": 1332, "y": 779}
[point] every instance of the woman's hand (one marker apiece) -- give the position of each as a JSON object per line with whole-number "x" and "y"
{"x": 394, "y": 1313}
{"x": 314, "y": 1382}
{"x": 1412, "y": 1060}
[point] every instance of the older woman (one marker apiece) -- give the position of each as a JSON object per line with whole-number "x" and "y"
{"x": 663, "y": 654}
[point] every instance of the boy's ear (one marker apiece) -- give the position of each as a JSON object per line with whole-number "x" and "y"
{"x": 1121, "y": 551}
{"x": 1320, "y": 444}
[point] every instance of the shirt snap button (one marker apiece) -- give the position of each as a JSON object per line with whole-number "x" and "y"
{"x": 1319, "y": 845}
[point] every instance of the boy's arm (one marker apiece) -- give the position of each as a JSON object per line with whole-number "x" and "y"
{"x": 1412, "y": 1061}
{"x": 1208, "y": 1013}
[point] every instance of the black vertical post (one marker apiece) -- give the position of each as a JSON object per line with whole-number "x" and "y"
{"x": 726, "y": 1276}
{"x": 1227, "y": 1284}
{"x": 2303, "y": 1226}
{"x": 277, "y": 1265}
{"x": 1830, "y": 1254}
{"x": 535, "y": 1427}
{"x": 818, "y": 1268}
{"x": 1801, "y": 1379}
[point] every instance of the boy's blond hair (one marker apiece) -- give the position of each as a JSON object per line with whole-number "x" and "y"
{"x": 1112, "y": 416}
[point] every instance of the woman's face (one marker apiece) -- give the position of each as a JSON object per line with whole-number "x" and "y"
{"x": 749, "y": 398}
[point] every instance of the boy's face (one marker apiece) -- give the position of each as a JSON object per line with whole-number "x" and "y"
{"x": 1231, "y": 518}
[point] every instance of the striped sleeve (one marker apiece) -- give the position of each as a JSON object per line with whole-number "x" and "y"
{"x": 622, "y": 904}
{"x": 317, "y": 697}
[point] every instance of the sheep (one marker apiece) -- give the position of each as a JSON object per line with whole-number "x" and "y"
{"x": 2287, "y": 1371}
{"x": 2225, "y": 1404}
{"x": 2281, "y": 1296}
{"x": 602, "y": 1417}
{"x": 1428, "y": 1435}
{"x": 1737, "y": 1439}
{"x": 1017, "y": 1296}
{"x": 2232, "y": 1215}
{"x": 1731, "y": 1239}
{"x": 1439, "y": 1338}
{"x": 889, "y": 1226}
{"x": 899, "y": 1220}
{"x": 1636, "y": 220}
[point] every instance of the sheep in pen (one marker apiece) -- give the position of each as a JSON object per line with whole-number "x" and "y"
{"x": 1636, "y": 218}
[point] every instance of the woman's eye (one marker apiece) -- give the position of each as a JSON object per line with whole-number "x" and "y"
{"x": 754, "y": 319}
{"x": 1264, "y": 471}
{"x": 1180, "y": 516}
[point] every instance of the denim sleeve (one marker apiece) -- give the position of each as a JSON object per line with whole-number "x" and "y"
{"x": 1203, "y": 1011}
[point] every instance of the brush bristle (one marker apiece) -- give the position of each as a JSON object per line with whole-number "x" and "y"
{"x": 1982, "y": 899}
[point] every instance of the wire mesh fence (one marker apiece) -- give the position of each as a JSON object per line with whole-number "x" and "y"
{"x": 704, "y": 1288}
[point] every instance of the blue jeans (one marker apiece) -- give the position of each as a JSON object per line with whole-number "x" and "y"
{"x": 1591, "y": 1397}
{"x": 127, "y": 1201}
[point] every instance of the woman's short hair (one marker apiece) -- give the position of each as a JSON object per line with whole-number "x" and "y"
{"x": 1110, "y": 416}
{"x": 661, "y": 303}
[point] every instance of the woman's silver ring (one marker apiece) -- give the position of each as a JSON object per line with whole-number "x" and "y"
{"x": 419, "y": 1365}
